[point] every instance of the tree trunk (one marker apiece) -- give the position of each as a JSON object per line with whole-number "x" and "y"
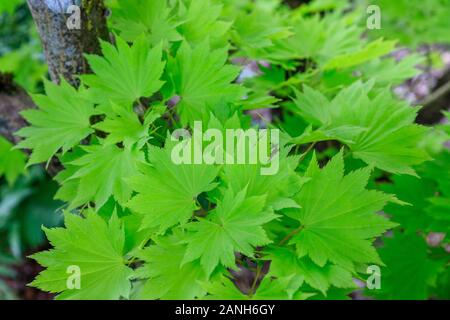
{"x": 64, "y": 38}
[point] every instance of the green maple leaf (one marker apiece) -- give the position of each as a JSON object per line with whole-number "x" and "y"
{"x": 202, "y": 89}
{"x": 99, "y": 173}
{"x": 388, "y": 138}
{"x": 12, "y": 162}
{"x": 326, "y": 38}
{"x": 371, "y": 51}
{"x": 390, "y": 72}
{"x": 124, "y": 74}
{"x": 437, "y": 170}
{"x": 155, "y": 19}
{"x": 409, "y": 273}
{"x": 284, "y": 262}
{"x": 61, "y": 121}
{"x": 278, "y": 188}
{"x": 438, "y": 214}
{"x": 234, "y": 225}
{"x": 258, "y": 29}
{"x": 201, "y": 20}
{"x": 268, "y": 289}
{"x": 338, "y": 219}
{"x": 167, "y": 277}
{"x": 123, "y": 125}
{"x": 167, "y": 191}
{"x": 414, "y": 191}
{"x": 95, "y": 248}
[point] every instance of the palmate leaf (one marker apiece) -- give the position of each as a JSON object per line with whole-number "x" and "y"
{"x": 235, "y": 225}
{"x": 61, "y": 121}
{"x": 326, "y": 38}
{"x": 438, "y": 214}
{"x": 96, "y": 249}
{"x": 202, "y": 88}
{"x": 123, "y": 125}
{"x": 338, "y": 219}
{"x": 258, "y": 29}
{"x": 284, "y": 263}
{"x": 154, "y": 18}
{"x": 409, "y": 272}
{"x": 371, "y": 51}
{"x": 389, "y": 71}
{"x": 167, "y": 191}
{"x": 201, "y": 20}
{"x": 390, "y": 138}
{"x": 98, "y": 174}
{"x": 415, "y": 191}
{"x": 125, "y": 74}
{"x": 278, "y": 188}
{"x": 167, "y": 277}
{"x": 278, "y": 185}
{"x": 439, "y": 171}
{"x": 268, "y": 289}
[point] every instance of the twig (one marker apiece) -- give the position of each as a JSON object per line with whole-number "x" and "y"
{"x": 436, "y": 95}
{"x": 253, "y": 288}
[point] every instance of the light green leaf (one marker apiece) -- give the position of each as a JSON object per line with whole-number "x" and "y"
{"x": 167, "y": 191}
{"x": 61, "y": 121}
{"x": 284, "y": 262}
{"x": 124, "y": 125}
{"x": 91, "y": 246}
{"x": 338, "y": 219}
{"x": 234, "y": 226}
{"x": 390, "y": 140}
{"x": 101, "y": 172}
{"x": 371, "y": 51}
{"x": 167, "y": 277}
{"x": 154, "y": 18}
{"x": 203, "y": 89}
{"x": 125, "y": 74}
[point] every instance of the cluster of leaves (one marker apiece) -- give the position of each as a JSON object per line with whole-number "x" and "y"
{"x": 414, "y": 22}
{"x": 140, "y": 226}
{"x": 417, "y": 254}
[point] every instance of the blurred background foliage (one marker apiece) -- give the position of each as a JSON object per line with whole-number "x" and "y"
{"x": 26, "y": 194}
{"x": 20, "y": 48}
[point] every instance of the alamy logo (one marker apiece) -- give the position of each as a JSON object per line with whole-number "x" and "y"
{"x": 374, "y": 280}
{"x": 231, "y": 146}
{"x": 374, "y": 19}
{"x": 74, "y": 278}
{"x": 74, "y": 21}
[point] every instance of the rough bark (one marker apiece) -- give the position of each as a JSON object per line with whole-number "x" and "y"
{"x": 64, "y": 49}
{"x": 63, "y": 46}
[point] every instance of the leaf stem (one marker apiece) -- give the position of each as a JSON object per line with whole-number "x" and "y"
{"x": 290, "y": 235}
{"x": 257, "y": 274}
{"x": 310, "y": 147}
